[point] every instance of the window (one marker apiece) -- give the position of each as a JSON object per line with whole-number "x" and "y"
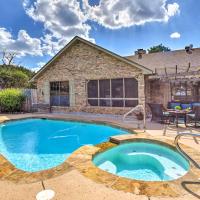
{"x": 122, "y": 92}
{"x": 93, "y": 89}
{"x": 117, "y": 88}
{"x": 59, "y": 93}
{"x": 181, "y": 91}
{"x": 129, "y": 84}
{"x": 104, "y": 88}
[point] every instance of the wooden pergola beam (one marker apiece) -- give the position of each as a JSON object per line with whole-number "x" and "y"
{"x": 165, "y": 71}
{"x": 155, "y": 70}
{"x": 189, "y": 65}
{"x": 183, "y": 74}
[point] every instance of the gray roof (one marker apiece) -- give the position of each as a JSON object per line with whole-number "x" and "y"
{"x": 169, "y": 60}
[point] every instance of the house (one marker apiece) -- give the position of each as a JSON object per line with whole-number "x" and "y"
{"x": 87, "y": 77}
{"x": 176, "y": 75}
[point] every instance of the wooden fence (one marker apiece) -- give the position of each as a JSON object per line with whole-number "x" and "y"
{"x": 31, "y": 98}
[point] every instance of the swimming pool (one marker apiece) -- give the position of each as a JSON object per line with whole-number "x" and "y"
{"x": 143, "y": 160}
{"x": 38, "y": 144}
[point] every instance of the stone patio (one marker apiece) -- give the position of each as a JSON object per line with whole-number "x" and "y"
{"x": 72, "y": 184}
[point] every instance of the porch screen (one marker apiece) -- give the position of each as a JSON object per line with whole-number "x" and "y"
{"x": 59, "y": 93}
{"x": 122, "y": 92}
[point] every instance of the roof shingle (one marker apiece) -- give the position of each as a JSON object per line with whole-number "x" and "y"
{"x": 169, "y": 60}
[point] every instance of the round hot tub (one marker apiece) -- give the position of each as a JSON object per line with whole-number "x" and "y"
{"x": 143, "y": 160}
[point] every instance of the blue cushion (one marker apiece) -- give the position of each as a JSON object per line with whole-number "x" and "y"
{"x": 186, "y": 105}
{"x": 172, "y": 105}
{"x": 196, "y": 104}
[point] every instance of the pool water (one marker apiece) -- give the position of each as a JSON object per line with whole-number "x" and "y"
{"x": 38, "y": 144}
{"x": 145, "y": 161}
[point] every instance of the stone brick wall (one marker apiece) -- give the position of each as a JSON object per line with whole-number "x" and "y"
{"x": 81, "y": 63}
{"x": 157, "y": 91}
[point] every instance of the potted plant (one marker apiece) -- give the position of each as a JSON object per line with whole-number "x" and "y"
{"x": 177, "y": 107}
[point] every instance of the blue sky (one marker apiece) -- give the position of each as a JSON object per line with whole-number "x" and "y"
{"x": 36, "y": 33}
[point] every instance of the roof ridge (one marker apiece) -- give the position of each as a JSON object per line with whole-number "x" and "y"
{"x": 164, "y": 52}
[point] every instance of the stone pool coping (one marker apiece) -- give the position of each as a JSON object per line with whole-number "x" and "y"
{"x": 10, "y": 173}
{"x": 81, "y": 160}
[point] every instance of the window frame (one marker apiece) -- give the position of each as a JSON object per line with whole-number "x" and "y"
{"x": 59, "y": 92}
{"x": 124, "y": 99}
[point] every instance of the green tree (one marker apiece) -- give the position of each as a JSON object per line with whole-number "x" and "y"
{"x": 158, "y": 48}
{"x": 15, "y": 77}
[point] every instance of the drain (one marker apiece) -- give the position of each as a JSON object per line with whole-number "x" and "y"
{"x": 173, "y": 167}
{"x": 45, "y": 195}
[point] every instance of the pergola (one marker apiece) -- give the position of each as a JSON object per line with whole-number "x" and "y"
{"x": 177, "y": 73}
{"x": 185, "y": 77}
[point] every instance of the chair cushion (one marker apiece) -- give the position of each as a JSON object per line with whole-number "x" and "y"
{"x": 186, "y": 105}
{"x": 191, "y": 115}
{"x": 195, "y": 104}
{"x": 166, "y": 113}
{"x": 172, "y": 105}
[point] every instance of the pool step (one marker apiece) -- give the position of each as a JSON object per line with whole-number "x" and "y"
{"x": 121, "y": 138}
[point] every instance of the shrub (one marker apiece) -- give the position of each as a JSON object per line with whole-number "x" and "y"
{"x": 11, "y": 100}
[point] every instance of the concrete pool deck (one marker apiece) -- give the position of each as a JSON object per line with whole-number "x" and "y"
{"x": 73, "y": 184}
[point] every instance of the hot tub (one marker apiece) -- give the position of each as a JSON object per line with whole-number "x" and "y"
{"x": 143, "y": 160}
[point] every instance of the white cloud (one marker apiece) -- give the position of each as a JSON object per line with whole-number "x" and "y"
{"x": 23, "y": 45}
{"x": 35, "y": 69}
{"x": 117, "y": 14}
{"x": 39, "y": 66}
{"x": 62, "y": 20}
{"x": 173, "y": 9}
{"x": 175, "y": 35}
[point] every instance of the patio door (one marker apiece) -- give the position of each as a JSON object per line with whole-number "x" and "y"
{"x": 59, "y": 93}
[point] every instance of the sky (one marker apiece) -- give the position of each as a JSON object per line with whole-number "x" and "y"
{"x": 37, "y": 29}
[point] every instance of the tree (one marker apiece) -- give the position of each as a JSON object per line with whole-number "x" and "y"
{"x": 12, "y": 75}
{"x": 158, "y": 48}
{"x": 8, "y": 57}
{"x": 15, "y": 77}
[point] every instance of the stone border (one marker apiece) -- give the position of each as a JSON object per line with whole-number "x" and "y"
{"x": 81, "y": 159}
{"x": 9, "y": 172}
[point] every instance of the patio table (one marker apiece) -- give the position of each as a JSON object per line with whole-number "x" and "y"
{"x": 179, "y": 113}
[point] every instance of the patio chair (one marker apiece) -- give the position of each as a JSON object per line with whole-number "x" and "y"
{"x": 159, "y": 113}
{"x": 194, "y": 117}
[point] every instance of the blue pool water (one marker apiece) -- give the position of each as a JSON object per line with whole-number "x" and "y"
{"x": 145, "y": 161}
{"x": 39, "y": 144}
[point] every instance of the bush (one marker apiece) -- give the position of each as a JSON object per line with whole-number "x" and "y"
{"x": 11, "y": 100}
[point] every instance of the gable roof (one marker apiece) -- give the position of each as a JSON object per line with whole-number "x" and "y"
{"x": 76, "y": 38}
{"x": 169, "y": 60}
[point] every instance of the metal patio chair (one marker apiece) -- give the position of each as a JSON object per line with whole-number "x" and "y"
{"x": 159, "y": 113}
{"x": 194, "y": 117}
